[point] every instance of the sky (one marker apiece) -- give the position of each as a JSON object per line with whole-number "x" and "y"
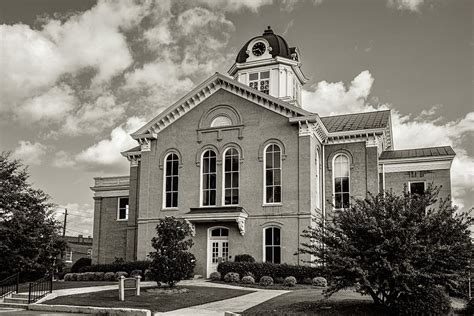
{"x": 77, "y": 77}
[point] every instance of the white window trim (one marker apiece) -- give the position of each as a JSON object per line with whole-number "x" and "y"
{"x": 420, "y": 181}
{"x": 334, "y": 182}
{"x": 264, "y": 246}
{"x": 126, "y": 210}
{"x": 260, "y": 79}
{"x": 209, "y": 250}
{"x": 223, "y": 176}
{"x": 163, "y": 206}
{"x": 70, "y": 256}
{"x": 265, "y": 179}
{"x": 201, "y": 189}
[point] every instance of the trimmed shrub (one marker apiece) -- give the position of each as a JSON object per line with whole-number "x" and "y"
{"x": 99, "y": 276}
{"x": 109, "y": 276}
{"x": 120, "y": 273}
{"x": 80, "y": 263}
{"x": 248, "y": 280}
{"x": 319, "y": 281}
{"x": 232, "y": 277}
{"x": 81, "y": 277}
{"x": 423, "y": 300}
{"x": 259, "y": 269}
{"x": 244, "y": 258}
{"x": 215, "y": 276}
{"x": 248, "y": 273}
{"x": 279, "y": 280}
{"x": 136, "y": 273}
{"x": 289, "y": 281}
{"x": 148, "y": 275}
{"x": 266, "y": 280}
{"x": 70, "y": 277}
{"x": 117, "y": 267}
{"x": 307, "y": 281}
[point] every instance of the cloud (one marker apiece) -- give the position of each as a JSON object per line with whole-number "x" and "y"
{"x": 80, "y": 218}
{"x": 63, "y": 159}
{"x": 329, "y": 98}
{"x": 337, "y": 98}
{"x": 406, "y": 5}
{"x": 105, "y": 155}
{"x": 30, "y": 153}
{"x": 236, "y": 5}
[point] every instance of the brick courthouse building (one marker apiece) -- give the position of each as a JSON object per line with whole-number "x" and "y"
{"x": 249, "y": 168}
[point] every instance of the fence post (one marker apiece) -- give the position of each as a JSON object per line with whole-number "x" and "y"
{"x": 29, "y": 293}
{"x": 17, "y": 282}
{"x": 51, "y": 284}
{"x": 137, "y": 285}
{"x": 121, "y": 288}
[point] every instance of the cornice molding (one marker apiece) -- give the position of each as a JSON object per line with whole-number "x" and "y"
{"x": 415, "y": 166}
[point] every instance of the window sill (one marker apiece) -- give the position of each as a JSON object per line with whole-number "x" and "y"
{"x": 122, "y": 220}
{"x": 272, "y": 204}
{"x": 166, "y": 209}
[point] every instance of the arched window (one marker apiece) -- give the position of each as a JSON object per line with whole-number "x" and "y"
{"x": 272, "y": 247}
{"x": 272, "y": 178}
{"x": 171, "y": 180}
{"x": 221, "y": 121}
{"x": 341, "y": 176}
{"x": 208, "y": 169}
{"x": 231, "y": 176}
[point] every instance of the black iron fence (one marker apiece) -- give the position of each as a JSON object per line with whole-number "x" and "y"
{"x": 40, "y": 288}
{"x": 9, "y": 285}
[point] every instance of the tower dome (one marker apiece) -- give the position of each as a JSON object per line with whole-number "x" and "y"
{"x": 278, "y": 46}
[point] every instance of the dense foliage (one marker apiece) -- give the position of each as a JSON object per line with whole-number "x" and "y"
{"x": 80, "y": 263}
{"x": 29, "y": 233}
{"x": 399, "y": 249}
{"x": 171, "y": 262}
{"x": 259, "y": 269}
{"x": 116, "y": 267}
{"x": 244, "y": 258}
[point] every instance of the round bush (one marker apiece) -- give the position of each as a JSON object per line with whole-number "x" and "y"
{"x": 248, "y": 280}
{"x": 279, "y": 280}
{"x": 232, "y": 277}
{"x": 109, "y": 276}
{"x": 148, "y": 275}
{"x": 307, "y": 281}
{"x": 320, "y": 282}
{"x": 248, "y": 273}
{"x": 81, "y": 277}
{"x": 266, "y": 280}
{"x": 135, "y": 273}
{"x": 99, "y": 276}
{"x": 289, "y": 281}
{"x": 423, "y": 300}
{"x": 80, "y": 263}
{"x": 244, "y": 258}
{"x": 70, "y": 277}
{"x": 120, "y": 273}
{"x": 215, "y": 276}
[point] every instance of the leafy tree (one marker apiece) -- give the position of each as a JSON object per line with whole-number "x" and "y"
{"x": 29, "y": 234}
{"x": 395, "y": 248}
{"x": 171, "y": 261}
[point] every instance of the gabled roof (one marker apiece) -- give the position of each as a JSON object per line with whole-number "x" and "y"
{"x": 357, "y": 121}
{"x": 203, "y": 91}
{"x": 444, "y": 151}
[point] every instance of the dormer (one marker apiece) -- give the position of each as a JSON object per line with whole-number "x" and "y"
{"x": 268, "y": 64}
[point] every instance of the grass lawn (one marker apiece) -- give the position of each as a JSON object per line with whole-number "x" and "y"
{"x": 312, "y": 302}
{"x": 59, "y": 285}
{"x": 162, "y": 302}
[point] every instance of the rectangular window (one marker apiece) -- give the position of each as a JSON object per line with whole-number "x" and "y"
{"x": 209, "y": 178}
{"x": 260, "y": 81}
{"x": 122, "y": 212}
{"x": 272, "y": 245}
{"x": 417, "y": 188}
{"x": 171, "y": 180}
{"x": 231, "y": 177}
{"x": 272, "y": 179}
{"x": 68, "y": 256}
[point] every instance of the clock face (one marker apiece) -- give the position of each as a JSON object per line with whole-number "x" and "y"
{"x": 258, "y": 49}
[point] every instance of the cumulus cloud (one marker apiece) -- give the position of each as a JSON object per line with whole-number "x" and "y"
{"x": 332, "y": 98}
{"x": 63, "y": 159}
{"x": 30, "y": 153}
{"x": 236, "y": 5}
{"x": 105, "y": 155}
{"x": 407, "y": 5}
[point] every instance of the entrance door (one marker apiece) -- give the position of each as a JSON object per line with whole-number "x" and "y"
{"x": 218, "y": 248}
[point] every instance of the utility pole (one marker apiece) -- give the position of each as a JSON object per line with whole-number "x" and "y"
{"x": 65, "y": 219}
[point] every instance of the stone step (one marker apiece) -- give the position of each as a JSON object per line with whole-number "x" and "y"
{"x": 13, "y": 305}
{"x": 15, "y": 300}
{"x": 20, "y": 295}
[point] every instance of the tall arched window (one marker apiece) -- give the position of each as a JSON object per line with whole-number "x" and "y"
{"x": 208, "y": 169}
{"x": 272, "y": 178}
{"x": 341, "y": 177}
{"x": 171, "y": 180}
{"x": 231, "y": 176}
{"x": 272, "y": 247}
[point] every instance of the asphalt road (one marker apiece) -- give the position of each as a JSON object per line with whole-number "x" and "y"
{"x": 12, "y": 311}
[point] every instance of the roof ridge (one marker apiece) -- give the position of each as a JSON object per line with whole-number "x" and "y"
{"x": 358, "y": 113}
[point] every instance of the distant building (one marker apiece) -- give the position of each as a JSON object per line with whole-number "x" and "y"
{"x": 77, "y": 247}
{"x": 249, "y": 168}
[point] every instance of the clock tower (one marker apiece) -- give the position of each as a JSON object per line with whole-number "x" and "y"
{"x": 267, "y": 63}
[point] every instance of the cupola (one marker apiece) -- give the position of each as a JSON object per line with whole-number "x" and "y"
{"x": 267, "y": 63}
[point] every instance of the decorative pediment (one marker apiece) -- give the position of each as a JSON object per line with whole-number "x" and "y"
{"x": 202, "y": 92}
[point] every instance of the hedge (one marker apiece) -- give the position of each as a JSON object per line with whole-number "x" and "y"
{"x": 117, "y": 267}
{"x": 259, "y": 269}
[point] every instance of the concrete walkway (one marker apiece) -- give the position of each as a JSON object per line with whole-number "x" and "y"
{"x": 237, "y": 304}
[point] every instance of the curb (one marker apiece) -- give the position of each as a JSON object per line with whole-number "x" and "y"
{"x": 89, "y": 310}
